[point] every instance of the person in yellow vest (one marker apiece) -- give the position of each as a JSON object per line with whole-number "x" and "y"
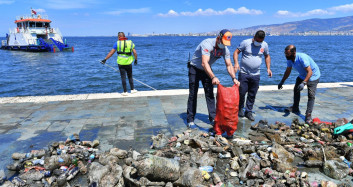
{"x": 124, "y": 48}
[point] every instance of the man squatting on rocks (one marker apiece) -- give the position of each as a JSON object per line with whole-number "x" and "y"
{"x": 309, "y": 74}
{"x": 206, "y": 53}
{"x": 249, "y": 76}
{"x": 124, "y": 49}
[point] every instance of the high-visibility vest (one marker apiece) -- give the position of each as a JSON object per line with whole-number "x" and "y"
{"x": 124, "y": 50}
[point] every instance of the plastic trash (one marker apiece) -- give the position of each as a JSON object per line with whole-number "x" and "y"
{"x": 191, "y": 177}
{"x": 208, "y": 169}
{"x": 335, "y": 169}
{"x": 216, "y": 178}
{"x": 158, "y": 168}
{"x": 346, "y": 161}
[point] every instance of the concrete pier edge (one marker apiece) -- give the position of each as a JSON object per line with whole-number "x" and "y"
{"x": 40, "y": 99}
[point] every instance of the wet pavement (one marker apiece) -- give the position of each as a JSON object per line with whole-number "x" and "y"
{"x": 28, "y": 123}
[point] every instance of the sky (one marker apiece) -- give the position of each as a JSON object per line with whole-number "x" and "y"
{"x": 108, "y": 17}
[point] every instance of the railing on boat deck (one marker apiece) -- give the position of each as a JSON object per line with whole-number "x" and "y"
{"x": 35, "y": 30}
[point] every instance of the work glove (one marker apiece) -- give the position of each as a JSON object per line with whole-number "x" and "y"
{"x": 135, "y": 63}
{"x": 103, "y": 61}
{"x": 280, "y": 85}
{"x": 301, "y": 86}
{"x": 341, "y": 129}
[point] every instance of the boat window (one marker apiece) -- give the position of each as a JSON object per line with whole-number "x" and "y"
{"x": 19, "y": 25}
{"x": 46, "y": 25}
{"x": 39, "y": 24}
{"x": 31, "y": 24}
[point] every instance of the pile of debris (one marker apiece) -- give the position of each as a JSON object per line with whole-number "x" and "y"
{"x": 272, "y": 155}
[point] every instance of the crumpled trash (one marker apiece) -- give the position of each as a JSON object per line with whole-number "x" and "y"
{"x": 158, "y": 168}
{"x": 336, "y": 170}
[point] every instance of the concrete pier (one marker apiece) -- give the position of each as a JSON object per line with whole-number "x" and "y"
{"x": 28, "y": 123}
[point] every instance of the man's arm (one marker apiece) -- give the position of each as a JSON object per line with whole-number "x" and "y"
{"x": 206, "y": 66}
{"x": 268, "y": 65}
{"x": 236, "y": 63}
{"x": 309, "y": 74}
{"x": 286, "y": 74}
{"x": 231, "y": 70}
{"x": 110, "y": 54}
{"x": 135, "y": 53}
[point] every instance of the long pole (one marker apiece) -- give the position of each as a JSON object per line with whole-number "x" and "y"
{"x": 133, "y": 78}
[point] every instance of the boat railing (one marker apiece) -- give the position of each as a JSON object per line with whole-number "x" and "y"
{"x": 39, "y": 16}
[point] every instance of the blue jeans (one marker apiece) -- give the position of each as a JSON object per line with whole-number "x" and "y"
{"x": 195, "y": 76}
{"x": 248, "y": 84}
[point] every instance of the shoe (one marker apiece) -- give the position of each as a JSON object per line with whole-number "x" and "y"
{"x": 124, "y": 94}
{"x": 191, "y": 125}
{"x": 241, "y": 113}
{"x": 249, "y": 116}
{"x": 291, "y": 109}
{"x": 133, "y": 91}
{"x": 308, "y": 118}
{"x": 211, "y": 131}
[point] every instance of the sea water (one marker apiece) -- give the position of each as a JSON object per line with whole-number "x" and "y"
{"x": 161, "y": 64}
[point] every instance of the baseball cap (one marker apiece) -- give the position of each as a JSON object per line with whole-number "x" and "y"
{"x": 226, "y": 36}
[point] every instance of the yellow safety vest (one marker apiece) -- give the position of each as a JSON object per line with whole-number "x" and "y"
{"x": 124, "y": 50}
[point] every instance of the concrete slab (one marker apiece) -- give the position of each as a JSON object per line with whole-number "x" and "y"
{"x": 129, "y": 121}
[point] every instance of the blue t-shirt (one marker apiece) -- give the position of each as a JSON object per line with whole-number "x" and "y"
{"x": 207, "y": 47}
{"x": 251, "y": 57}
{"x": 302, "y": 61}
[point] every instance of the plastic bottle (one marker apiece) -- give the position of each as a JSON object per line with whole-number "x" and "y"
{"x": 209, "y": 169}
{"x": 91, "y": 158}
{"x": 82, "y": 167}
{"x": 346, "y": 161}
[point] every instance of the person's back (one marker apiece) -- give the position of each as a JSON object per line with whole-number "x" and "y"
{"x": 124, "y": 49}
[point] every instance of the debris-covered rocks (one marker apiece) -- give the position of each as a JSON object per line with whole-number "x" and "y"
{"x": 272, "y": 155}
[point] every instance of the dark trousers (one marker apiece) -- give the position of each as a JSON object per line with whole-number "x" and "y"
{"x": 248, "y": 84}
{"x": 195, "y": 76}
{"x": 123, "y": 70}
{"x": 312, "y": 85}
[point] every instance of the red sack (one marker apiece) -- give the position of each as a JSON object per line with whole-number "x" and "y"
{"x": 227, "y": 109}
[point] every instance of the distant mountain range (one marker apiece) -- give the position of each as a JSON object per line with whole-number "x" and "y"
{"x": 343, "y": 25}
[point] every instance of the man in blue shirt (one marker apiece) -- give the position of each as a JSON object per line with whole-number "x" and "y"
{"x": 309, "y": 75}
{"x": 206, "y": 53}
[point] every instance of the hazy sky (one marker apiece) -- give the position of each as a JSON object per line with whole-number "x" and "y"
{"x": 107, "y": 17}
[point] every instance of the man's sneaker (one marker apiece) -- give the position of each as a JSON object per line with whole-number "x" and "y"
{"x": 211, "y": 131}
{"x": 291, "y": 109}
{"x": 133, "y": 91}
{"x": 212, "y": 122}
{"x": 124, "y": 94}
{"x": 241, "y": 113}
{"x": 191, "y": 125}
{"x": 308, "y": 118}
{"x": 249, "y": 116}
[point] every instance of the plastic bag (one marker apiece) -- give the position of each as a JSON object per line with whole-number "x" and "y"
{"x": 227, "y": 110}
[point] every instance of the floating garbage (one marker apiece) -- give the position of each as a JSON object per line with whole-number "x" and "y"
{"x": 272, "y": 155}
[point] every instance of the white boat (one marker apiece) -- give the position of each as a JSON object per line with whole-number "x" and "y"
{"x": 34, "y": 33}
